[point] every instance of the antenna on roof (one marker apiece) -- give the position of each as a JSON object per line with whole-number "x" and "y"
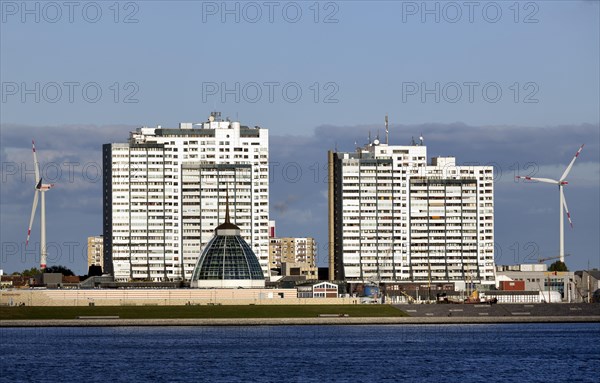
{"x": 387, "y": 132}
{"x": 421, "y": 139}
{"x": 227, "y": 225}
{"x": 227, "y": 202}
{"x": 369, "y": 137}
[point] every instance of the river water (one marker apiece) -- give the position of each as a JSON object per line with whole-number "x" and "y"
{"x": 383, "y": 353}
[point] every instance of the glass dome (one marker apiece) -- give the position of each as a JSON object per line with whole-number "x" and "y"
{"x": 227, "y": 261}
{"x": 227, "y": 257}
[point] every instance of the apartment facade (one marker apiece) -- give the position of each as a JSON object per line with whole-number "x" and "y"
{"x": 165, "y": 193}
{"x": 299, "y": 253}
{"x": 394, "y": 217}
{"x": 95, "y": 251}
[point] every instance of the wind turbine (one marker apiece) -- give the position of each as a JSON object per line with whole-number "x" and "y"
{"x": 40, "y": 188}
{"x": 563, "y": 202}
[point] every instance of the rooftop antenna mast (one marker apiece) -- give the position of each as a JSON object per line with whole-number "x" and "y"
{"x": 387, "y": 132}
{"x": 227, "y": 203}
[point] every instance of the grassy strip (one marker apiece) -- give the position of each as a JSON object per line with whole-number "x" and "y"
{"x": 149, "y": 312}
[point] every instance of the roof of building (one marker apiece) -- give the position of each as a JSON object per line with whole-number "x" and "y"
{"x": 594, "y": 273}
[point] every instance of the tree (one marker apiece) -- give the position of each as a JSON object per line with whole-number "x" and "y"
{"x": 59, "y": 269}
{"x": 558, "y": 266}
{"x": 30, "y": 272}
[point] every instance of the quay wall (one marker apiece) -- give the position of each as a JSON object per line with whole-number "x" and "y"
{"x": 291, "y": 321}
{"x": 161, "y": 297}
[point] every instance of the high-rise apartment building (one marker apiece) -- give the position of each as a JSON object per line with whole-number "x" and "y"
{"x": 395, "y": 218}
{"x": 95, "y": 249}
{"x": 165, "y": 191}
{"x": 301, "y": 252}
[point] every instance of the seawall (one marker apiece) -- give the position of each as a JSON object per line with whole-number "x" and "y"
{"x": 294, "y": 321}
{"x": 160, "y": 297}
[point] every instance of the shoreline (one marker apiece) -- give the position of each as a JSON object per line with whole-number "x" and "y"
{"x": 291, "y": 321}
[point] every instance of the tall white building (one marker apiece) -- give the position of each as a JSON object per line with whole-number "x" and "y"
{"x": 165, "y": 190}
{"x": 394, "y": 218}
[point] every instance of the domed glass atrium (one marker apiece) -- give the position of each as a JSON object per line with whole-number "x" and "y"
{"x": 227, "y": 261}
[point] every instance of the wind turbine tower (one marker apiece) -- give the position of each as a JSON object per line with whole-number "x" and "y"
{"x": 562, "y": 202}
{"x": 40, "y": 188}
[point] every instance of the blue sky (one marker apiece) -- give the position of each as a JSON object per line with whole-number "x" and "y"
{"x": 518, "y": 86}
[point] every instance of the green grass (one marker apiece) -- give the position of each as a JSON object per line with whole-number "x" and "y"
{"x": 150, "y": 312}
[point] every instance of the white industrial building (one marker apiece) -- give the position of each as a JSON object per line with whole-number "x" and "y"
{"x": 395, "y": 218}
{"x": 536, "y": 277}
{"x": 165, "y": 190}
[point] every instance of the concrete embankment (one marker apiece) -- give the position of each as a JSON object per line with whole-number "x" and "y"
{"x": 160, "y": 297}
{"x": 294, "y": 321}
{"x": 502, "y": 310}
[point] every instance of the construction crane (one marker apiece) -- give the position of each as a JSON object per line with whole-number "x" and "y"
{"x": 542, "y": 260}
{"x": 408, "y": 297}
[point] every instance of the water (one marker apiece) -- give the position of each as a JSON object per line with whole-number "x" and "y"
{"x": 394, "y": 353}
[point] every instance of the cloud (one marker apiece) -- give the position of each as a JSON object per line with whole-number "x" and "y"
{"x": 282, "y": 206}
{"x": 70, "y": 157}
{"x": 523, "y": 212}
{"x": 301, "y": 216}
{"x": 298, "y": 178}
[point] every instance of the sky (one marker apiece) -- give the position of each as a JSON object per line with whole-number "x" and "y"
{"x": 512, "y": 84}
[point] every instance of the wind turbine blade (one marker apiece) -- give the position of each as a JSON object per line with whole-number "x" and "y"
{"x": 566, "y": 208}
{"x": 35, "y": 202}
{"x": 566, "y": 173}
{"x": 36, "y": 165}
{"x": 546, "y": 180}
